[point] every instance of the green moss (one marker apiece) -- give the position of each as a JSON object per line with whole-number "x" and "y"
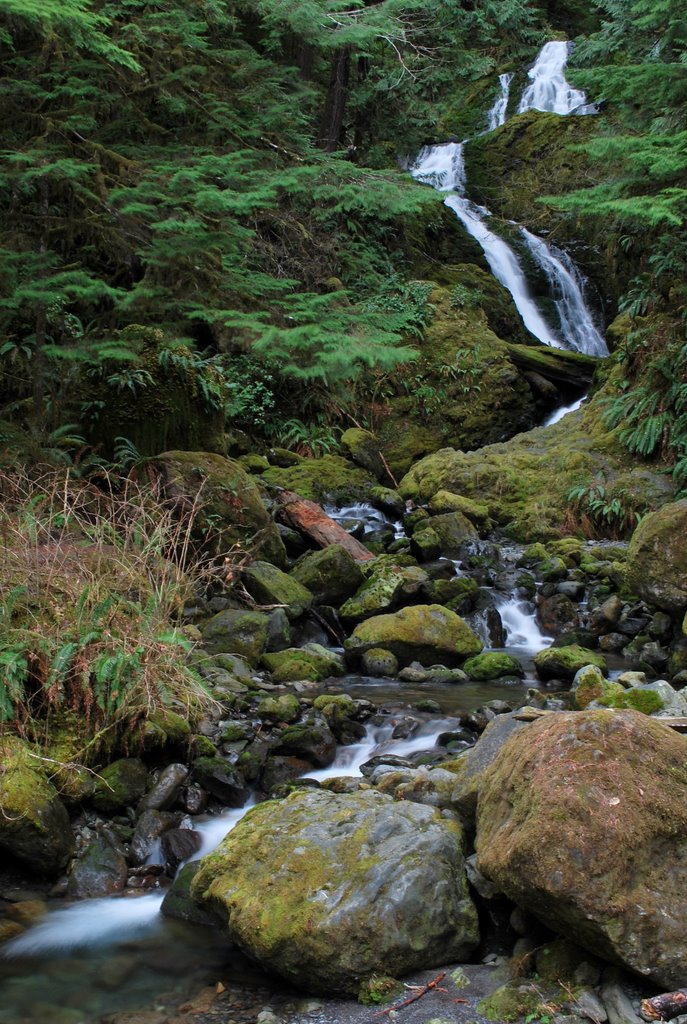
{"x": 492, "y": 665}
{"x": 331, "y": 477}
{"x": 564, "y": 662}
{"x": 285, "y": 708}
{"x": 311, "y": 662}
{"x": 379, "y": 989}
{"x": 512, "y": 1002}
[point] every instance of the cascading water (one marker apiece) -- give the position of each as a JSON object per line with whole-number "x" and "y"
{"x": 443, "y": 167}
{"x": 563, "y": 411}
{"x": 566, "y": 289}
{"x": 548, "y": 89}
{"x": 497, "y": 114}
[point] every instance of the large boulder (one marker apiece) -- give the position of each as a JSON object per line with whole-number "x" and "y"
{"x": 237, "y": 631}
{"x": 34, "y": 824}
{"x": 657, "y": 558}
{"x": 229, "y": 512}
{"x": 427, "y": 633}
{"x": 564, "y": 662}
{"x": 270, "y": 586}
{"x": 327, "y": 889}
{"x": 331, "y": 574}
{"x": 386, "y": 588}
{"x": 582, "y": 820}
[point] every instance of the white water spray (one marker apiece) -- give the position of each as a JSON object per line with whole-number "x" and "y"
{"x": 522, "y": 631}
{"x": 497, "y": 115}
{"x": 548, "y": 89}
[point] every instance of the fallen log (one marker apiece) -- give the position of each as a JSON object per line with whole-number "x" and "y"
{"x": 311, "y": 519}
{"x": 666, "y": 1006}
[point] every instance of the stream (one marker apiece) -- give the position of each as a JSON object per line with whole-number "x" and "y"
{"x": 116, "y": 954}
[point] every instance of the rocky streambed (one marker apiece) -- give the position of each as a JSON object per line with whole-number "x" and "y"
{"x": 400, "y": 835}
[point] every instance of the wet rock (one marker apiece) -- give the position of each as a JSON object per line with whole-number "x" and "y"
{"x": 100, "y": 871}
{"x": 120, "y": 785}
{"x": 278, "y": 770}
{"x": 420, "y": 633}
{"x": 218, "y": 777}
{"x": 178, "y": 902}
{"x": 308, "y": 887}
{"x": 166, "y": 789}
{"x": 471, "y": 766}
{"x": 178, "y": 844}
{"x": 192, "y": 798}
{"x": 572, "y": 589}
{"x": 149, "y": 828}
{"x": 312, "y": 662}
{"x": 386, "y": 588}
{"x": 557, "y": 614}
{"x": 388, "y": 501}
{"x": 284, "y": 708}
{"x": 268, "y": 585}
{"x": 378, "y": 662}
{"x": 564, "y": 662}
{"x": 34, "y": 824}
{"x": 493, "y": 665}
{"x": 312, "y": 740}
{"x": 278, "y": 631}
{"x": 236, "y": 631}
{"x": 454, "y": 531}
{"x": 330, "y": 575}
{"x": 582, "y": 820}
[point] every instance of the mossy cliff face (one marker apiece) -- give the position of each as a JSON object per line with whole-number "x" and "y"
{"x": 525, "y": 482}
{"x": 230, "y": 509}
{"x": 534, "y": 155}
{"x": 464, "y": 390}
{"x": 327, "y": 889}
{"x": 582, "y": 819}
{"x": 34, "y": 825}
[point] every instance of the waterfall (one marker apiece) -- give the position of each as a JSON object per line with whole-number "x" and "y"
{"x": 565, "y": 286}
{"x": 497, "y": 114}
{"x": 444, "y": 168}
{"x": 548, "y": 89}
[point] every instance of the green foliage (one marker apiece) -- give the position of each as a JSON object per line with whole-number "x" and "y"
{"x": 604, "y": 511}
{"x": 93, "y": 632}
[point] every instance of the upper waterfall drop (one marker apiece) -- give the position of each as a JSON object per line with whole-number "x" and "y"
{"x": 497, "y": 114}
{"x": 549, "y": 90}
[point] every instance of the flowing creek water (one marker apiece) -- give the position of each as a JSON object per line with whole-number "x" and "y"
{"x": 105, "y": 955}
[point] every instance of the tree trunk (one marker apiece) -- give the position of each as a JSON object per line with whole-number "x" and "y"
{"x": 310, "y": 519}
{"x": 332, "y": 120}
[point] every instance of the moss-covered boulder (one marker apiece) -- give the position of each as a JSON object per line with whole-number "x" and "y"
{"x": 564, "y": 662}
{"x": 237, "y": 631}
{"x": 230, "y": 512}
{"x": 311, "y": 740}
{"x": 100, "y": 870}
{"x": 283, "y": 708}
{"x": 34, "y": 824}
{"x": 268, "y": 585}
{"x": 120, "y": 785}
{"x": 582, "y": 820}
{"x": 329, "y": 478}
{"x": 331, "y": 575}
{"x": 657, "y": 558}
{"x": 493, "y": 665}
{"x": 589, "y": 684}
{"x": 445, "y": 501}
{"x": 326, "y": 889}
{"x": 363, "y": 448}
{"x": 453, "y": 530}
{"x": 387, "y": 587}
{"x": 429, "y": 634}
{"x": 312, "y": 662}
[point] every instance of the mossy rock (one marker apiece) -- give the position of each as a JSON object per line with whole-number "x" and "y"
{"x": 657, "y": 559}
{"x": 331, "y": 575}
{"x": 386, "y": 588}
{"x": 335, "y": 705}
{"x": 312, "y": 662}
{"x": 254, "y": 464}
{"x": 458, "y": 594}
{"x": 363, "y": 448}
{"x": 514, "y": 1002}
{"x": 237, "y": 631}
{"x": 328, "y": 478}
{"x": 388, "y": 501}
{"x": 424, "y": 633}
{"x": 582, "y": 821}
{"x": 284, "y": 708}
{"x": 269, "y": 585}
{"x": 34, "y": 824}
{"x": 385, "y": 860}
{"x": 379, "y": 663}
{"x": 564, "y": 662}
{"x": 492, "y": 665}
{"x": 454, "y": 530}
{"x": 311, "y": 740}
{"x": 590, "y": 684}
{"x": 120, "y": 785}
{"x": 445, "y": 501}
{"x": 526, "y": 481}
{"x": 230, "y": 510}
